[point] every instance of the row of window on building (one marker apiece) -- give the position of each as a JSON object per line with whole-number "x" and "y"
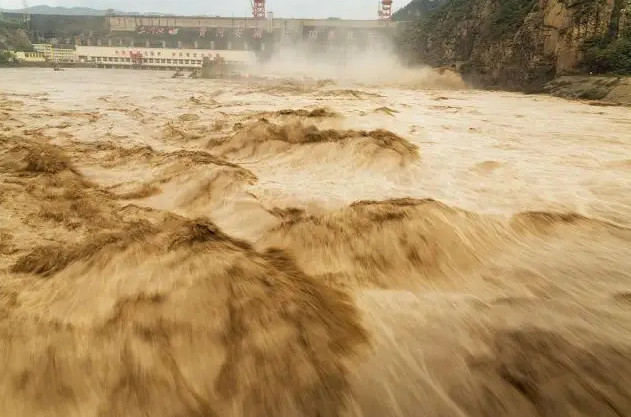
{"x": 51, "y": 54}
{"x": 166, "y": 61}
{"x": 173, "y": 54}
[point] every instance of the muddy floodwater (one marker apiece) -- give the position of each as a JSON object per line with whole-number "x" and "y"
{"x": 310, "y": 247}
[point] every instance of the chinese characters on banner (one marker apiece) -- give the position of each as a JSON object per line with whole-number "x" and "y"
{"x": 239, "y": 28}
{"x": 237, "y": 31}
{"x": 332, "y": 34}
{"x": 150, "y": 30}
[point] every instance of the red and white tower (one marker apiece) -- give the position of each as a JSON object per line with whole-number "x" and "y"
{"x": 258, "y": 9}
{"x": 385, "y": 13}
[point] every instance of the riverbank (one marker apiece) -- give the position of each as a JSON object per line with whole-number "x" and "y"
{"x": 601, "y": 89}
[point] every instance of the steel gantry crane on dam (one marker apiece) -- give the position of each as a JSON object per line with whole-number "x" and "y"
{"x": 385, "y": 11}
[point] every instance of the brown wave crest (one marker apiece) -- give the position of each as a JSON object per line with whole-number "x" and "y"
{"x": 387, "y": 243}
{"x": 265, "y": 138}
{"x": 33, "y": 156}
{"x": 411, "y": 242}
{"x": 186, "y": 175}
{"x": 42, "y": 184}
{"x": 545, "y": 222}
{"x": 175, "y": 318}
{"x": 314, "y": 113}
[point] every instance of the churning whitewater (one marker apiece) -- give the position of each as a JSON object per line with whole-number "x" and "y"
{"x": 310, "y": 246}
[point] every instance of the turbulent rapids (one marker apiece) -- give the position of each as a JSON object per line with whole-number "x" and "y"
{"x": 299, "y": 247}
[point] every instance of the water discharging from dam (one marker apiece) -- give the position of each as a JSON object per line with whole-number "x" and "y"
{"x": 330, "y": 245}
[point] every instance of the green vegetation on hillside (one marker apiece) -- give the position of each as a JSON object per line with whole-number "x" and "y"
{"x": 481, "y": 34}
{"x": 603, "y": 55}
{"x": 442, "y": 19}
{"x": 504, "y": 20}
{"x": 13, "y": 35}
{"x": 5, "y": 57}
{"x": 416, "y": 9}
{"x": 506, "y": 17}
{"x": 583, "y": 9}
{"x": 453, "y": 11}
{"x": 611, "y": 52}
{"x": 509, "y": 15}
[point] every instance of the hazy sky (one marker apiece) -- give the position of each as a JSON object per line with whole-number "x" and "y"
{"x": 355, "y": 9}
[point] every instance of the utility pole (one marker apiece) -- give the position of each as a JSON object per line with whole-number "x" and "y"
{"x": 26, "y": 15}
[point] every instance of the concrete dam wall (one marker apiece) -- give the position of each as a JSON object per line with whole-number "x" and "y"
{"x": 215, "y": 33}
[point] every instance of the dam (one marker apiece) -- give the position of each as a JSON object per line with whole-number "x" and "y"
{"x": 167, "y": 42}
{"x": 242, "y": 33}
{"x": 212, "y": 33}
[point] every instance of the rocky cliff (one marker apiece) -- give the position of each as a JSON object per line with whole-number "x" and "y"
{"x": 521, "y": 44}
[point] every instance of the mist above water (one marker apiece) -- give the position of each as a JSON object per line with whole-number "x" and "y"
{"x": 378, "y": 67}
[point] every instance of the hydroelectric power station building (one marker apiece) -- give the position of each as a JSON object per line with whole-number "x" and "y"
{"x": 207, "y": 33}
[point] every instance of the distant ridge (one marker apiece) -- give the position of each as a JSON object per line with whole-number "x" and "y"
{"x": 77, "y": 11}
